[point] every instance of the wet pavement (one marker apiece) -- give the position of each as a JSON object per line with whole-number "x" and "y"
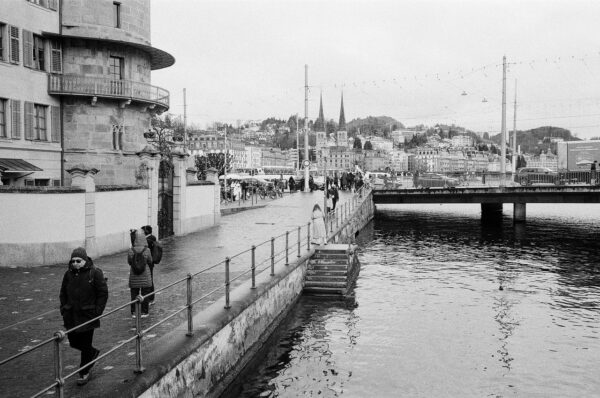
{"x": 29, "y": 296}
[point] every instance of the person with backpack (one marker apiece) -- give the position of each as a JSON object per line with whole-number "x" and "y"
{"x": 139, "y": 259}
{"x": 156, "y": 252}
{"x": 83, "y": 296}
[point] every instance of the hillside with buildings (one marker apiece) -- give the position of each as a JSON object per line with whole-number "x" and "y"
{"x": 540, "y": 139}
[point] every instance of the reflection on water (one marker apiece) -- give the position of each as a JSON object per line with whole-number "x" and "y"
{"x": 448, "y": 305}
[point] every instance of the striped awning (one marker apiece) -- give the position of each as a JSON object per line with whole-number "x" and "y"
{"x": 16, "y": 166}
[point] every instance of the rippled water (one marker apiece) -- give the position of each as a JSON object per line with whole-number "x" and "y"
{"x": 448, "y": 306}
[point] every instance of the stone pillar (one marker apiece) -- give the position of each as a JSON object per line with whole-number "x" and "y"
{"x": 212, "y": 175}
{"x": 519, "y": 212}
{"x": 83, "y": 177}
{"x": 179, "y": 191}
{"x": 191, "y": 174}
{"x": 150, "y": 157}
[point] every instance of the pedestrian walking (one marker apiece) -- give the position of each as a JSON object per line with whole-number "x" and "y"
{"x": 335, "y": 196}
{"x": 156, "y": 252}
{"x": 292, "y": 184}
{"x": 83, "y": 296}
{"x": 319, "y": 236}
{"x": 140, "y": 281}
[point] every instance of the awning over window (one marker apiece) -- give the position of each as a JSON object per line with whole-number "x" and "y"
{"x": 16, "y": 166}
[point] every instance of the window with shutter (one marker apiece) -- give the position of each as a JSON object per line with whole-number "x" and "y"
{"x": 15, "y": 118}
{"x": 56, "y": 57}
{"x": 40, "y": 129}
{"x": 39, "y": 58}
{"x": 28, "y": 120}
{"x": 14, "y": 44}
{"x": 27, "y": 48}
{"x": 55, "y": 123}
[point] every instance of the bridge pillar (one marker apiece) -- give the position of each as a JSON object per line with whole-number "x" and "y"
{"x": 490, "y": 210}
{"x": 519, "y": 212}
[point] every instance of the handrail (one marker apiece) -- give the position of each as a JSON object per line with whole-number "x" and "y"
{"x": 272, "y": 257}
{"x": 103, "y": 87}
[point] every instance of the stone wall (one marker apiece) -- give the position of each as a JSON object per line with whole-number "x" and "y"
{"x": 94, "y": 18}
{"x": 88, "y": 138}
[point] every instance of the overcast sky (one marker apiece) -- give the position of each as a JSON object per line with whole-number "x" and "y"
{"x": 417, "y": 61}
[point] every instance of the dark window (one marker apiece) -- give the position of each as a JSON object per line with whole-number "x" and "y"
{"x": 117, "y": 14}
{"x": 38, "y": 53}
{"x": 116, "y": 68}
{"x": 39, "y": 126}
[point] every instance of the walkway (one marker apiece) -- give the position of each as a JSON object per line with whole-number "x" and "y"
{"x": 29, "y": 296}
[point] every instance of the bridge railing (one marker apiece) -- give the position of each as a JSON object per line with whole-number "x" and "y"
{"x": 487, "y": 179}
{"x": 243, "y": 266}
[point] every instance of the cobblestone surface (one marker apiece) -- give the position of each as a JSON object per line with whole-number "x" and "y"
{"x": 29, "y": 296}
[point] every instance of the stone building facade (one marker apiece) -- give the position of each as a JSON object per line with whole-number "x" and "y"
{"x": 96, "y": 85}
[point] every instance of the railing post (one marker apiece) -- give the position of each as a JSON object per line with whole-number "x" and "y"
{"x": 190, "y": 331}
{"x": 253, "y": 267}
{"x": 138, "y": 330}
{"x": 287, "y": 247}
{"x": 298, "y": 241}
{"x": 337, "y": 219}
{"x": 272, "y": 256}
{"x": 227, "y": 306}
{"x": 308, "y": 236}
{"x": 60, "y": 382}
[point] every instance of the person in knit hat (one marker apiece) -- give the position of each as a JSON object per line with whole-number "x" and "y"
{"x": 83, "y": 296}
{"x": 140, "y": 284}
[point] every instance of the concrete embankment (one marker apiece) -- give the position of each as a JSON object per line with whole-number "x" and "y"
{"x": 224, "y": 340}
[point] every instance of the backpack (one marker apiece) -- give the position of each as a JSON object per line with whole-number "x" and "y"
{"x": 138, "y": 265}
{"x": 156, "y": 252}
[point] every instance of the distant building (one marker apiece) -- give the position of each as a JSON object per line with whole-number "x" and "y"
{"x": 374, "y": 160}
{"x": 547, "y": 159}
{"x": 399, "y": 160}
{"x": 253, "y": 156}
{"x": 342, "y": 134}
{"x": 462, "y": 140}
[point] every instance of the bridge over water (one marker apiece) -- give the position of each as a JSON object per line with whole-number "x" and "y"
{"x": 491, "y": 198}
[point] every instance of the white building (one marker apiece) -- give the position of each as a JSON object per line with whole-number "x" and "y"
{"x": 253, "y": 156}
{"x": 462, "y": 141}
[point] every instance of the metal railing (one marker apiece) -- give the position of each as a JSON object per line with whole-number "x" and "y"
{"x": 487, "y": 179}
{"x": 102, "y": 87}
{"x": 275, "y": 250}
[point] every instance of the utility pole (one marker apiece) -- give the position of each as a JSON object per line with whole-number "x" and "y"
{"x": 307, "y": 163}
{"x": 514, "y": 140}
{"x": 184, "y": 123}
{"x": 503, "y": 127}
{"x": 225, "y": 164}
{"x": 297, "y": 146}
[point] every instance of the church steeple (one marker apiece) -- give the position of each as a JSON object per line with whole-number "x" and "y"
{"x": 342, "y": 123}
{"x": 320, "y": 122}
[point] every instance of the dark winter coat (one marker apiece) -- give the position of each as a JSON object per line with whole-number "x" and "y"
{"x": 140, "y": 245}
{"x": 83, "y": 296}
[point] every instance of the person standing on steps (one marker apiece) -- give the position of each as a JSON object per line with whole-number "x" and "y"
{"x": 319, "y": 236}
{"x": 139, "y": 259}
{"x": 83, "y": 296}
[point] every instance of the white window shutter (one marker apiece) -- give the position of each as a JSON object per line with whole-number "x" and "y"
{"x": 29, "y": 120}
{"x": 27, "y": 48}
{"x": 14, "y": 44}
{"x": 15, "y": 118}
{"x": 55, "y": 133}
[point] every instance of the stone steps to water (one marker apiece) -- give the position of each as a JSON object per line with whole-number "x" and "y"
{"x": 325, "y": 278}
{"x": 326, "y": 272}
{"x": 331, "y": 267}
{"x": 322, "y": 291}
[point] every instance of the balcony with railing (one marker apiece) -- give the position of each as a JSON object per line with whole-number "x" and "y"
{"x": 94, "y": 87}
